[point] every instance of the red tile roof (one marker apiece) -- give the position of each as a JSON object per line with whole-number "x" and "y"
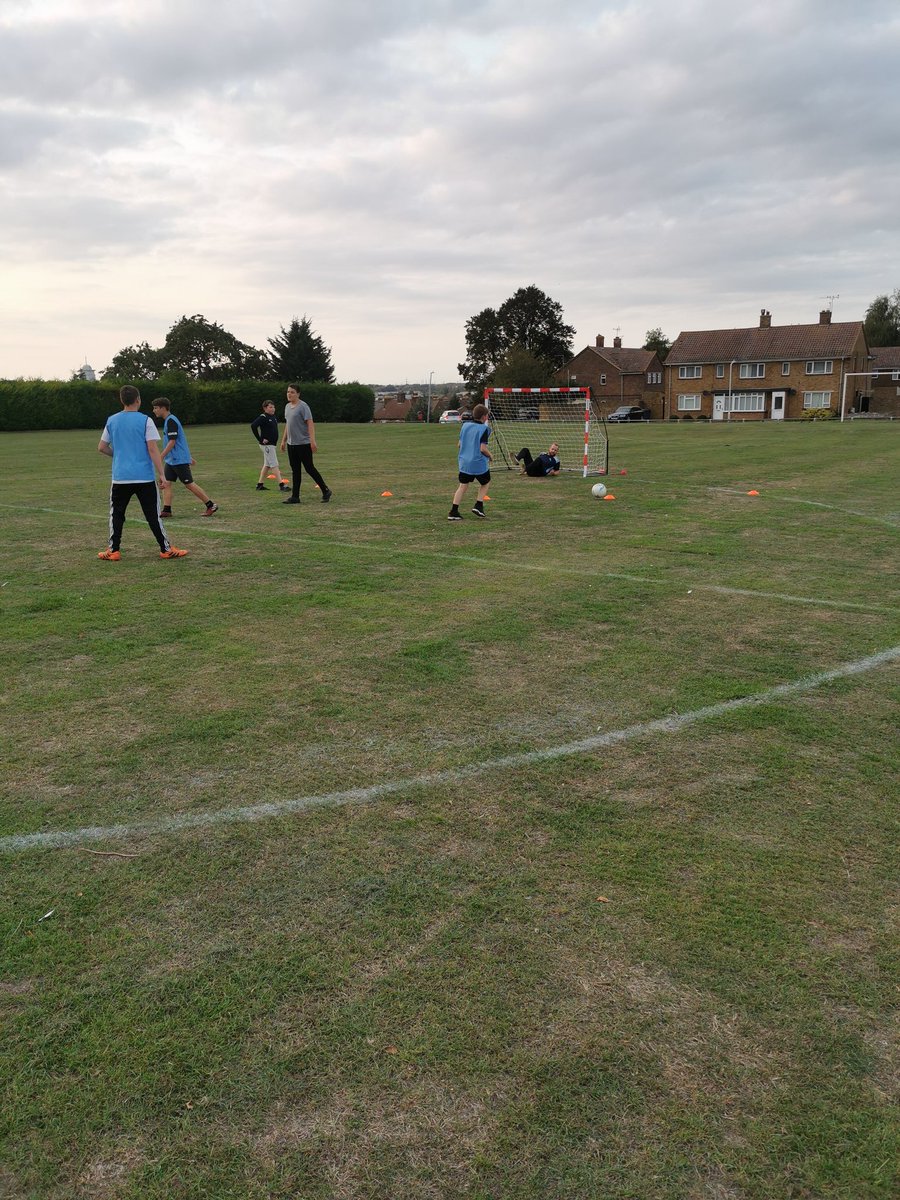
{"x": 779, "y": 342}
{"x": 629, "y": 362}
{"x": 885, "y": 357}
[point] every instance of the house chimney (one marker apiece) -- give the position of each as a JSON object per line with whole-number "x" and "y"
{"x": 765, "y": 319}
{"x": 825, "y": 316}
{"x": 617, "y": 343}
{"x": 599, "y": 341}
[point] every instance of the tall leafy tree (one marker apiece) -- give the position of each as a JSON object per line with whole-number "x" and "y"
{"x": 135, "y": 362}
{"x": 530, "y": 320}
{"x": 196, "y": 348}
{"x": 521, "y": 368}
{"x": 202, "y": 349}
{"x": 657, "y": 341}
{"x": 300, "y": 356}
{"x": 882, "y": 323}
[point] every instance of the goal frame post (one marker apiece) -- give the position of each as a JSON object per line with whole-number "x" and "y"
{"x": 594, "y": 429}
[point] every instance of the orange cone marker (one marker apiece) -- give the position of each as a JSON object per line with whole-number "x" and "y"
{"x": 609, "y": 496}
{"x": 387, "y": 493}
{"x": 754, "y": 492}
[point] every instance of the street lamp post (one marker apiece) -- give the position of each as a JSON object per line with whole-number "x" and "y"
{"x": 430, "y": 377}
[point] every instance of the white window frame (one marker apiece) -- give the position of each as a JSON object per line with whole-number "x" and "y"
{"x": 746, "y": 402}
{"x": 654, "y": 376}
{"x": 820, "y": 366}
{"x": 750, "y": 370}
{"x": 895, "y": 376}
{"x": 690, "y": 371}
{"x": 720, "y": 370}
{"x": 603, "y": 381}
{"x": 817, "y": 399}
{"x": 785, "y": 368}
{"x": 689, "y": 403}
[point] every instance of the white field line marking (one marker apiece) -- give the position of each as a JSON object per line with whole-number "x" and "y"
{"x": 452, "y": 775}
{"x": 493, "y": 564}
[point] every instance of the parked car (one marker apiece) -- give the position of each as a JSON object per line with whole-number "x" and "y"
{"x": 629, "y": 412}
{"x": 451, "y": 414}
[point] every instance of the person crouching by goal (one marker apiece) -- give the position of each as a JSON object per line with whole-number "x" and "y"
{"x": 539, "y": 468}
{"x": 474, "y": 461}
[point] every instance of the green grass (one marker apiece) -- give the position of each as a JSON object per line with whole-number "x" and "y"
{"x": 422, "y": 993}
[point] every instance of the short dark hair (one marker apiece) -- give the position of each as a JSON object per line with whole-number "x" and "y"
{"x": 128, "y": 393}
{"x": 479, "y": 411}
{"x": 266, "y": 403}
{"x": 162, "y": 402}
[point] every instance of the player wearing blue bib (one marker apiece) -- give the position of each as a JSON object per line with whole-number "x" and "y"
{"x": 177, "y": 459}
{"x": 129, "y": 439}
{"x": 474, "y": 462}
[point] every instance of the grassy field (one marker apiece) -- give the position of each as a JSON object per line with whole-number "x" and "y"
{"x": 388, "y": 858}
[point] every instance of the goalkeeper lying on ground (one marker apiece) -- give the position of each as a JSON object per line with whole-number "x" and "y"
{"x": 539, "y": 468}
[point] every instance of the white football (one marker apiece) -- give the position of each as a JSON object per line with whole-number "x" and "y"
{"x": 599, "y": 490}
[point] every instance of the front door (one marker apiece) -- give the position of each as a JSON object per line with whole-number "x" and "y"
{"x": 718, "y": 406}
{"x": 778, "y": 406}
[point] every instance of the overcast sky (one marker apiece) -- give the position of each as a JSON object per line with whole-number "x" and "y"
{"x": 389, "y": 168}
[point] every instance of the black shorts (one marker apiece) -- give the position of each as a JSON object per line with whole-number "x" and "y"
{"x": 464, "y": 477}
{"x": 180, "y": 471}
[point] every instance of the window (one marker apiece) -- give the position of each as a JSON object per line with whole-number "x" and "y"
{"x": 688, "y": 403}
{"x": 895, "y": 376}
{"x": 819, "y": 366}
{"x": 691, "y": 372}
{"x": 602, "y": 380}
{"x": 817, "y": 399}
{"x": 747, "y": 402}
{"x": 752, "y": 370}
{"x": 654, "y": 376}
{"x": 720, "y": 370}
{"x": 786, "y": 368}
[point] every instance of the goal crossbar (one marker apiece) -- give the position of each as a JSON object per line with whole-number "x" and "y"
{"x": 536, "y": 417}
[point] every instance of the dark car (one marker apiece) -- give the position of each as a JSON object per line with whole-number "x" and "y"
{"x": 629, "y": 412}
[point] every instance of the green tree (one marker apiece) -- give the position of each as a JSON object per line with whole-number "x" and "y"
{"x": 657, "y": 341}
{"x": 300, "y": 356}
{"x": 195, "y": 349}
{"x": 530, "y": 320}
{"x": 882, "y": 323}
{"x": 135, "y": 362}
{"x": 521, "y": 368}
{"x": 204, "y": 350}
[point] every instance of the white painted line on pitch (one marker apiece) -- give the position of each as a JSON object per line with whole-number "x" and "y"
{"x": 501, "y": 564}
{"x": 364, "y": 795}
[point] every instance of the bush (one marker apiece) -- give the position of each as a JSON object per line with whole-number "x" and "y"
{"x": 818, "y": 414}
{"x": 79, "y": 404}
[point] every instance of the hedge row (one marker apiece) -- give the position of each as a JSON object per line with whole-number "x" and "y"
{"x": 52, "y": 404}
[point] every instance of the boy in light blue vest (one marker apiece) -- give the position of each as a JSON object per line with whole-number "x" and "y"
{"x": 474, "y": 462}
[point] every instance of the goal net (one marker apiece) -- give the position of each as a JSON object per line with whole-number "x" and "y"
{"x": 535, "y": 417}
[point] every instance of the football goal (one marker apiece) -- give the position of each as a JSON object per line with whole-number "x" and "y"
{"x": 535, "y": 417}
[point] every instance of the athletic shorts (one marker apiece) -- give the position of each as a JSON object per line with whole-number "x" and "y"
{"x": 180, "y": 471}
{"x": 464, "y": 477}
{"x": 270, "y": 458}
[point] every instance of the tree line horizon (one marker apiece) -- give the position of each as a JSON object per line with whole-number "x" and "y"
{"x": 523, "y": 342}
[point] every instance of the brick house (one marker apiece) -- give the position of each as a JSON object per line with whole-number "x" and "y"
{"x": 770, "y": 372}
{"x": 617, "y": 375}
{"x": 883, "y": 390}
